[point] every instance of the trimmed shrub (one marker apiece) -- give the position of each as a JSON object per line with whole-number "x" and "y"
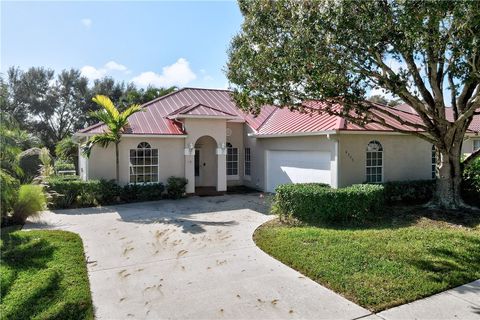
{"x": 73, "y": 193}
{"x": 29, "y": 161}
{"x": 409, "y": 192}
{"x": 317, "y": 203}
{"x": 471, "y": 183}
{"x": 61, "y": 165}
{"x": 31, "y": 199}
{"x": 176, "y": 187}
{"x": 142, "y": 192}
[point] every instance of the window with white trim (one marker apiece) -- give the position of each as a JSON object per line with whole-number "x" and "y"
{"x": 476, "y": 144}
{"x": 232, "y": 160}
{"x": 434, "y": 162}
{"x": 248, "y": 162}
{"x": 143, "y": 164}
{"x": 374, "y": 165}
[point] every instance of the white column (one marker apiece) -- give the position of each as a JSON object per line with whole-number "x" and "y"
{"x": 190, "y": 170}
{"x": 221, "y": 169}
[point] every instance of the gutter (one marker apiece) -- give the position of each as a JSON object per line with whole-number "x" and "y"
{"x": 294, "y": 134}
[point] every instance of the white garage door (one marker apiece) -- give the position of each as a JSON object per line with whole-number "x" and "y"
{"x": 296, "y": 167}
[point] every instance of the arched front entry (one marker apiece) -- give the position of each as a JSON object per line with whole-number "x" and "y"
{"x": 205, "y": 162}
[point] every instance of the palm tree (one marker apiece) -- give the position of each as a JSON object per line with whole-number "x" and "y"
{"x": 116, "y": 123}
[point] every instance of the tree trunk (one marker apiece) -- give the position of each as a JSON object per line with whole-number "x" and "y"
{"x": 449, "y": 178}
{"x": 117, "y": 164}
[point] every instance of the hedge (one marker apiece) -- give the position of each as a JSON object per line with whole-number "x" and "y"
{"x": 318, "y": 203}
{"x": 409, "y": 192}
{"x": 71, "y": 192}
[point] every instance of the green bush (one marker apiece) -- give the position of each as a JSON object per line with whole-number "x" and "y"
{"x": 67, "y": 193}
{"x": 142, "y": 192}
{"x": 29, "y": 161}
{"x": 318, "y": 203}
{"x": 8, "y": 192}
{"x": 61, "y": 165}
{"x": 176, "y": 187}
{"x": 31, "y": 199}
{"x": 471, "y": 183}
{"x": 409, "y": 192}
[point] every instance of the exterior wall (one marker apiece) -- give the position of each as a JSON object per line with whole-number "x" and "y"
{"x": 404, "y": 158}
{"x": 197, "y": 128}
{"x": 259, "y": 146}
{"x": 101, "y": 163}
{"x": 467, "y": 146}
{"x": 236, "y": 139}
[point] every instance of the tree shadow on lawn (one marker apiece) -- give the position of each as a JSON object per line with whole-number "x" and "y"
{"x": 26, "y": 259}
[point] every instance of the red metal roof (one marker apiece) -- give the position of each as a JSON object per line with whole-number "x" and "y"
{"x": 158, "y": 114}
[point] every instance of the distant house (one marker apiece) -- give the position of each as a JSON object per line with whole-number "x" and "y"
{"x": 201, "y": 135}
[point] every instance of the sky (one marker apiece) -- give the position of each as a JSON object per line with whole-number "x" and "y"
{"x": 147, "y": 43}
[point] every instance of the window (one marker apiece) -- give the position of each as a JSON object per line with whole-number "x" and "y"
{"x": 434, "y": 162}
{"x": 374, "y": 167}
{"x": 247, "y": 162}
{"x": 143, "y": 164}
{"x": 476, "y": 144}
{"x": 232, "y": 160}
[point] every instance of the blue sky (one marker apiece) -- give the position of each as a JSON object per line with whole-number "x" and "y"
{"x": 159, "y": 43}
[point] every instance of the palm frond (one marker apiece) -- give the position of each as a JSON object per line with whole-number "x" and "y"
{"x": 107, "y": 104}
{"x": 102, "y": 139}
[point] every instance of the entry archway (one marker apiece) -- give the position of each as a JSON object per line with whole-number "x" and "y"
{"x": 205, "y": 162}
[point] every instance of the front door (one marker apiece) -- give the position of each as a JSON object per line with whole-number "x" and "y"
{"x": 197, "y": 167}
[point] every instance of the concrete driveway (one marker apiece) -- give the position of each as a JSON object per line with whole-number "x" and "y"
{"x": 191, "y": 259}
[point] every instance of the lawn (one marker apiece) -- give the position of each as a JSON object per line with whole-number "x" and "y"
{"x": 398, "y": 259}
{"x": 43, "y": 275}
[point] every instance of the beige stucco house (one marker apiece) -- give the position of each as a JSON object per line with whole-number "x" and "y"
{"x": 201, "y": 135}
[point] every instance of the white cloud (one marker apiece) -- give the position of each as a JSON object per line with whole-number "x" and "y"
{"x": 87, "y": 23}
{"x": 93, "y": 73}
{"x": 112, "y": 65}
{"x": 177, "y": 74}
{"x": 381, "y": 92}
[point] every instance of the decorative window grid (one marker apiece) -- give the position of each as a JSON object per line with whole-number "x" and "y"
{"x": 143, "y": 164}
{"x": 374, "y": 164}
{"x": 248, "y": 162}
{"x": 232, "y": 160}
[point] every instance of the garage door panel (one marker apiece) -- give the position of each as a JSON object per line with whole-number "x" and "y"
{"x": 297, "y": 167}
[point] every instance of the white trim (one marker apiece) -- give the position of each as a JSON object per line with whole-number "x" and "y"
{"x": 131, "y": 135}
{"x": 195, "y": 116}
{"x": 294, "y": 134}
{"x": 382, "y": 177}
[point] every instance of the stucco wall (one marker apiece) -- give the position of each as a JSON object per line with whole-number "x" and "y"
{"x": 101, "y": 163}
{"x": 405, "y": 157}
{"x": 259, "y": 146}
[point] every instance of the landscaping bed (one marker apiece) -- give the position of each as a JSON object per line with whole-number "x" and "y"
{"x": 405, "y": 255}
{"x": 43, "y": 276}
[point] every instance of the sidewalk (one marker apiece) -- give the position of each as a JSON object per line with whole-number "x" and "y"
{"x": 459, "y": 303}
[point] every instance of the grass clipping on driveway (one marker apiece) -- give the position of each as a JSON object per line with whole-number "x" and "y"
{"x": 43, "y": 276}
{"x": 379, "y": 266}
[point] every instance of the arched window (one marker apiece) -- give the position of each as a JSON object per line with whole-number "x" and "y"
{"x": 232, "y": 160}
{"x": 143, "y": 164}
{"x": 434, "y": 162}
{"x": 374, "y": 166}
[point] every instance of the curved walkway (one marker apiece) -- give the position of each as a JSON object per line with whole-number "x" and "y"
{"x": 191, "y": 259}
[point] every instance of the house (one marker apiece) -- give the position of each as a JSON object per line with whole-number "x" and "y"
{"x": 201, "y": 135}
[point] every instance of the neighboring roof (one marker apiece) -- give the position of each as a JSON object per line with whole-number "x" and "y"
{"x": 160, "y": 114}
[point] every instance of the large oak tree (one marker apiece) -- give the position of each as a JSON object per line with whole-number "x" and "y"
{"x": 425, "y": 52}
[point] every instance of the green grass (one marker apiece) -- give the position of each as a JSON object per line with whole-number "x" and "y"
{"x": 43, "y": 275}
{"x": 394, "y": 261}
